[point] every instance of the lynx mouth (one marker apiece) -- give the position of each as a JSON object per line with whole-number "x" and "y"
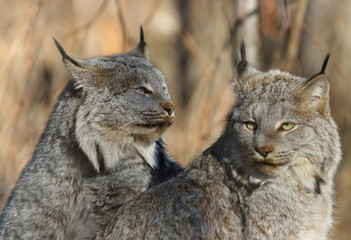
{"x": 166, "y": 122}
{"x": 270, "y": 166}
{"x": 271, "y": 162}
{"x": 159, "y": 124}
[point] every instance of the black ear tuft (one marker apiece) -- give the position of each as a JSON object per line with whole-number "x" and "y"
{"x": 142, "y": 42}
{"x": 325, "y": 64}
{"x": 141, "y": 49}
{"x": 242, "y": 52}
{"x": 243, "y": 63}
{"x": 64, "y": 54}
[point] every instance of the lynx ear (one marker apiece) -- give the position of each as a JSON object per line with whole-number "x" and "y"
{"x": 242, "y": 82}
{"x": 85, "y": 72}
{"x": 315, "y": 93}
{"x": 244, "y": 69}
{"x": 142, "y": 49}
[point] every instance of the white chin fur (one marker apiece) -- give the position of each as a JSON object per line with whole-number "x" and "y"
{"x": 113, "y": 152}
{"x": 148, "y": 153}
{"x": 88, "y": 145}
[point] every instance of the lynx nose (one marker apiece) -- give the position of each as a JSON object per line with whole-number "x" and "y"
{"x": 169, "y": 108}
{"x": 264, "y": 151}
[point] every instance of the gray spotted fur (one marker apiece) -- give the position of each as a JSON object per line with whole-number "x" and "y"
{"x": 231, "y": 191}
{"x": 100, "y": 148}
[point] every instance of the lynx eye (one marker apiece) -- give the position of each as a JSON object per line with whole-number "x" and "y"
{"x": 251, "y": 125}
{"x": 287, "y": 126}
{"x": 144, "y": 91}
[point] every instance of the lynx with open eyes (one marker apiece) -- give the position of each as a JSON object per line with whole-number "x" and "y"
{"x": 268, "y": 176}
{"x": 274, "y": 121}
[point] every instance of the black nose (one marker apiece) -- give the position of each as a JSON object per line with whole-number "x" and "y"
{"x": 169, "y": 108}
{"x": 264, "y": 151}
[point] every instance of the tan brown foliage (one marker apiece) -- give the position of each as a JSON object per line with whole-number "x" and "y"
{"x": 194, "y": 43}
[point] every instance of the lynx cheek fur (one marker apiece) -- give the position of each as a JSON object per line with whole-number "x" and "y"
{"x": 101, "y": 147}
{"x": 269, "y": 176}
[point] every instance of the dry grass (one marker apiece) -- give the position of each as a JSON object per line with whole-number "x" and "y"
{"x": 194, "y": 44}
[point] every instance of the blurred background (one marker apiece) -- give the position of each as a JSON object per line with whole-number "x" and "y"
{"x": 195, "y": 43}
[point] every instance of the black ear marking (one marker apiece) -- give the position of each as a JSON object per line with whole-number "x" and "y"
{"x": 141, "y": 49}
{"x": 243, "y": 63}
{"x": 142, "y": 43}
{"x": 317, "y": 185}
{"x": 64, "y": 54}
{"x": 324, "y": 66}
{"x": 242, "y": 52}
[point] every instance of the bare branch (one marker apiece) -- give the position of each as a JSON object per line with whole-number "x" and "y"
{"x": 294, "y": 39}
{"x": 89, "y": 23}
{"x": 123, "y": 24}
{"x": 151, "y": 14}
{"x": 325, "y": 48}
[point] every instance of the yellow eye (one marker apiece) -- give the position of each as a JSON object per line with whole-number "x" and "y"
{"x": 251, "y": 125}
{"x": 144, "y": 90}
{"x": 287, "y": 126}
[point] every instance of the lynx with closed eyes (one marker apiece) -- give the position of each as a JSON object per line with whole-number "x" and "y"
{"x": 102, "y": 147}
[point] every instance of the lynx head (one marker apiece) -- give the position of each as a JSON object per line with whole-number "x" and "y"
{"x": 282, "y": 122}
{"x": 125, "y": 103}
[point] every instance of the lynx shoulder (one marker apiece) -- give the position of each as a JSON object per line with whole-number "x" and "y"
{"x": 269, "y": 176}
{"x": 101, "y": 147}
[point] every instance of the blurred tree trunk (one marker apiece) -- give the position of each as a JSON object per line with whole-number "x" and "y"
{"x": 327, "y": 30}
{"x": 205, "y": 58}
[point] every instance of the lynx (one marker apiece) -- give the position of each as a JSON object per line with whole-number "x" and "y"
{"x": 101, "y": 147}
{"x": 268, "y": 176}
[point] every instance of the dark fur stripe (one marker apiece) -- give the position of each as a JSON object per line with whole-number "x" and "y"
{"x": 317, "y": 184}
